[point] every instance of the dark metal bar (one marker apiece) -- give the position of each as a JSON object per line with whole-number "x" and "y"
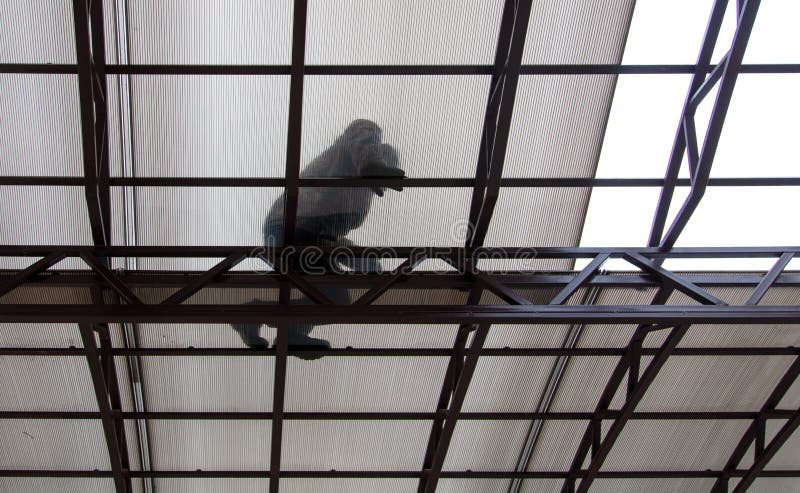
{"x": 781, "y": 414}
{"x": 753, "y": 431}
{"x": 579, "y": 280}
{"x": 680, "y": 284}
{"x": 441, "y": 182}
{"x": 116, "y": 284}
{"x": 769, "y": 452}
{"x": 279, "y": 395}
{"x": 718, "y": 114}
{"x": 103, "y": 403}
{"x": 469, "y": 474}
{"x": 399, "y": 273}
{"x": 769, "y": 279}
{"x": 223, "y": 266}
{"x": 522, "y": 10}
{"x": 398, "y": 252}
{"x": 86, "y": 88}
{"x": 541, "y": 69}
{"x": 31, "y": 271}
{"x": 707, "y": 85}
{"x": 631, "y": 402}
{"x": 679, "y": 145}
{"x": 430, "y": 476}
{"x": 293, "y": 150}
{"x": 490, "y": 118}
{"x": 411, "y": 352}
{"x": 504, "y": 292}
{"x": 423, "y": 314}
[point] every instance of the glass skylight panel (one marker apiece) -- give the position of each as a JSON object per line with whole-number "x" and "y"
{"x": 356, "y": 32}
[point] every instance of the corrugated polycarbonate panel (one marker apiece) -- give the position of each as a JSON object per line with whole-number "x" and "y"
{"x": 760, "y": 127}
{"x": 556, "y": 445}
{"x": 200, "y": 32}
{"x": 40, "y": 128}
{"x": 539, "y": 216}
{"x": 403, "y": 32}
{"x": 540, "y": 486}
{"x": 422, "y": 297}
{"x": 52, "y": 444}
{"x": 769, "y": 485}
{"x": 711, "y": 383}
{"x": 208, "y": 383}
{"x": 354, "y": 445}
{"x": 46, "y": 294}
{"x": 583, "y": 382}
{"x": 507, "y": 383}
{"x": 557, "y": 125}
{"x": 36, "y": 32}
{"x": 193, "y": 335}
{"x": 209, "y": 445}
{"x": 661, "y": 485}
{"x": 577, "y": 32}
{"x": 39, "y": 335}
{"x": 388, "y": 336}
{"x": 198, "y": 126}
{"x": 355, "y": 485}
{"x": 364, "y": 384}
{"x": 522, "y": 336}
{"x": 211, "y": 485}
{"x": 200, "y": 216}
{"x": 44, "y": 216}
{"x": 788, "y": 456}
{"x": 63, "y": 485}
{"x": 673, "y": 445}
{"x": 434, "y": 122}
{"x": 485, "y": 445}
{"x": 46, "y": 383}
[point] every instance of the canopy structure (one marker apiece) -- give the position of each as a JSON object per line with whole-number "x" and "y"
{"x": 588, "y": 282}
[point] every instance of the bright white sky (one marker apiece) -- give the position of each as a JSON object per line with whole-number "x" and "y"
{"x": 758, "y": 139}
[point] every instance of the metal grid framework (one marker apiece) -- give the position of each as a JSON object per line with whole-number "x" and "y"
{"x": 115, "y": 300}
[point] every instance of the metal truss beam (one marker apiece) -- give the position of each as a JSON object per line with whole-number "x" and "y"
{"x": 767, "y": 453}
{"x": 700, "y": 161}
{"x": 497, "y": 123}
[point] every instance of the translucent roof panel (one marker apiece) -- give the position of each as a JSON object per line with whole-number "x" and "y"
{"x": 761, "y": 127}
{"x": 485, "y": 445}
{"x": 207, "y": 383}
{"x": 36, "y": 32}
{"x": 354, "y": 484}
{"x": 556, "y": 446}
{"x": 672, "y": 32}
{"x": 356, "y": 32}
{"x": 644, "y": 117}
{"x": 775, "y": 37}
{"x": 609, "y": 485}
{"x": 576, "y": 32}
{"x": 364, "y": 384}
{"x": 67, "y": 485}
{"x": 189, "y": 32}
{"x": 40, "y": 128}
{"x": 40, "y": 215}
{"x": 354, "y": 445}
{"x": 52, "y": 444}
{"x": 557, "y": 125}
{"x": 433, "y": 122}
{"x": 202, "y": 126}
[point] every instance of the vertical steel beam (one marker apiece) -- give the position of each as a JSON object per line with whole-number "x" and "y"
{"x": 769, "y": 452}
{"x": 279, "y": 394}
{"x": 505, "y": 107}
{"x": 104, "y": 405}
{"x": 679, "y": 145}
{"x": 732, "y": 63}
{"x": 88, "y": 92}
{"x": 430, "y": 475}
{"x": 294, "y": 139}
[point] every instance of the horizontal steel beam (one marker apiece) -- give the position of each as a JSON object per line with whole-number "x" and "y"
{"x": 334, "y": 474}
{"x": 561, "y": 69}
{"x": 420, "y": 314}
